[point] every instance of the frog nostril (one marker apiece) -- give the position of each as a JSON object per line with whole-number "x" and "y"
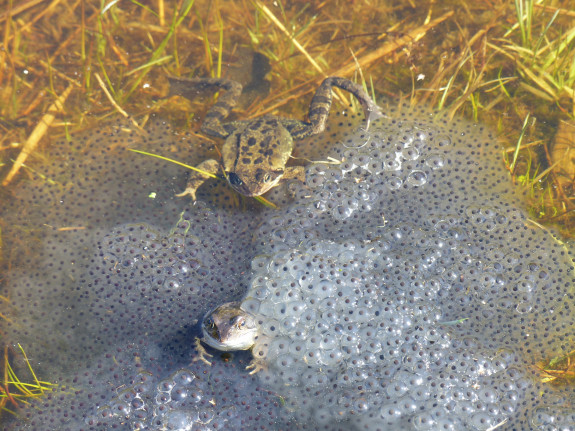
{"x": 234, "y": 179}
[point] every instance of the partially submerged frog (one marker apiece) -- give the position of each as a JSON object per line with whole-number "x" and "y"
{"x": 255, "y": 152}
{"x": 227, "y": 328}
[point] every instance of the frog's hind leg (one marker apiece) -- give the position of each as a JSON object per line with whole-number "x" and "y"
{"x": 321, "y": 104}
{"x": 189, "y": 87}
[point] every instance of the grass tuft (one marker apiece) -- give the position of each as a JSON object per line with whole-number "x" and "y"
{"x": 18, "y": 389}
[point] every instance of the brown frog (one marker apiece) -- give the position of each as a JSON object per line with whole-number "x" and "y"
{"x": 255, "y": 152}
{"x": 227, "y": 328}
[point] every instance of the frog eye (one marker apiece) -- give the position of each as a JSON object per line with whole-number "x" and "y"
{"x": 267, "y": 178}
{"x": 209, "y": 323}
{"x": 238, "y": 322}
{"x": 234, "y": 179}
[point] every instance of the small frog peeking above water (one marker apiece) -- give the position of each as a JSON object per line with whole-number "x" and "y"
{"x": 227, "y": 328}
{"x": 256, "y": 151}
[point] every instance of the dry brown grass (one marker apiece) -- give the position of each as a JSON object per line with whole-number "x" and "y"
{"x": 481, "y": 61}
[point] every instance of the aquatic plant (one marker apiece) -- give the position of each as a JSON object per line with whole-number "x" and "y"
{"x": 18, "y": 389}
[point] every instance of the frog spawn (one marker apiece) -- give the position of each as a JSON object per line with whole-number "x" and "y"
{"x": 194, "y": 397}
{"x": 454, "y": 246}
{"x": 452, "y": 257}
{"x": 142, "y": 267}
{"x": 334, "y": 322}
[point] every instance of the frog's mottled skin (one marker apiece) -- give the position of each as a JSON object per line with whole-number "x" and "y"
{"x": 255, "y": 152}
{"x": 228, "y": 327}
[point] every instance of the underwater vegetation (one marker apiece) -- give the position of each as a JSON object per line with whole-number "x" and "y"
{"x": 16, "y": 391}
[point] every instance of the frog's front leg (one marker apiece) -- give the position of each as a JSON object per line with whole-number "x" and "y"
{"x": 197, "y": 179}
{"x": 256, "y": 366}
{"x": 294, "y": 173}
{"x": 202, "y": 353}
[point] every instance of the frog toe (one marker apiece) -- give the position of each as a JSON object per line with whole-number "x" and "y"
{"x": 202, "y": 353}
{"x": 189, "y": 191}
{"x": 255, "y": 367}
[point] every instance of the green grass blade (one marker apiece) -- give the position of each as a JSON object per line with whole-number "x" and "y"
{"x": 260, "y": 199}
{"x": 174, "y": 161}
{"x": 518, "y": 146}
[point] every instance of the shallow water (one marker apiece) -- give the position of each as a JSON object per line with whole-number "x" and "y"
{"x": 420, "y": 296}
{"x": 426, "y": 252}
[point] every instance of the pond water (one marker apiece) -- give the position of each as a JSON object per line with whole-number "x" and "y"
{"x": 402, "y": 287}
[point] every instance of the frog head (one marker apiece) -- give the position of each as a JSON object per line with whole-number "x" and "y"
{"x": 255, "y": 154}
{"x": 228, "y": 327}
